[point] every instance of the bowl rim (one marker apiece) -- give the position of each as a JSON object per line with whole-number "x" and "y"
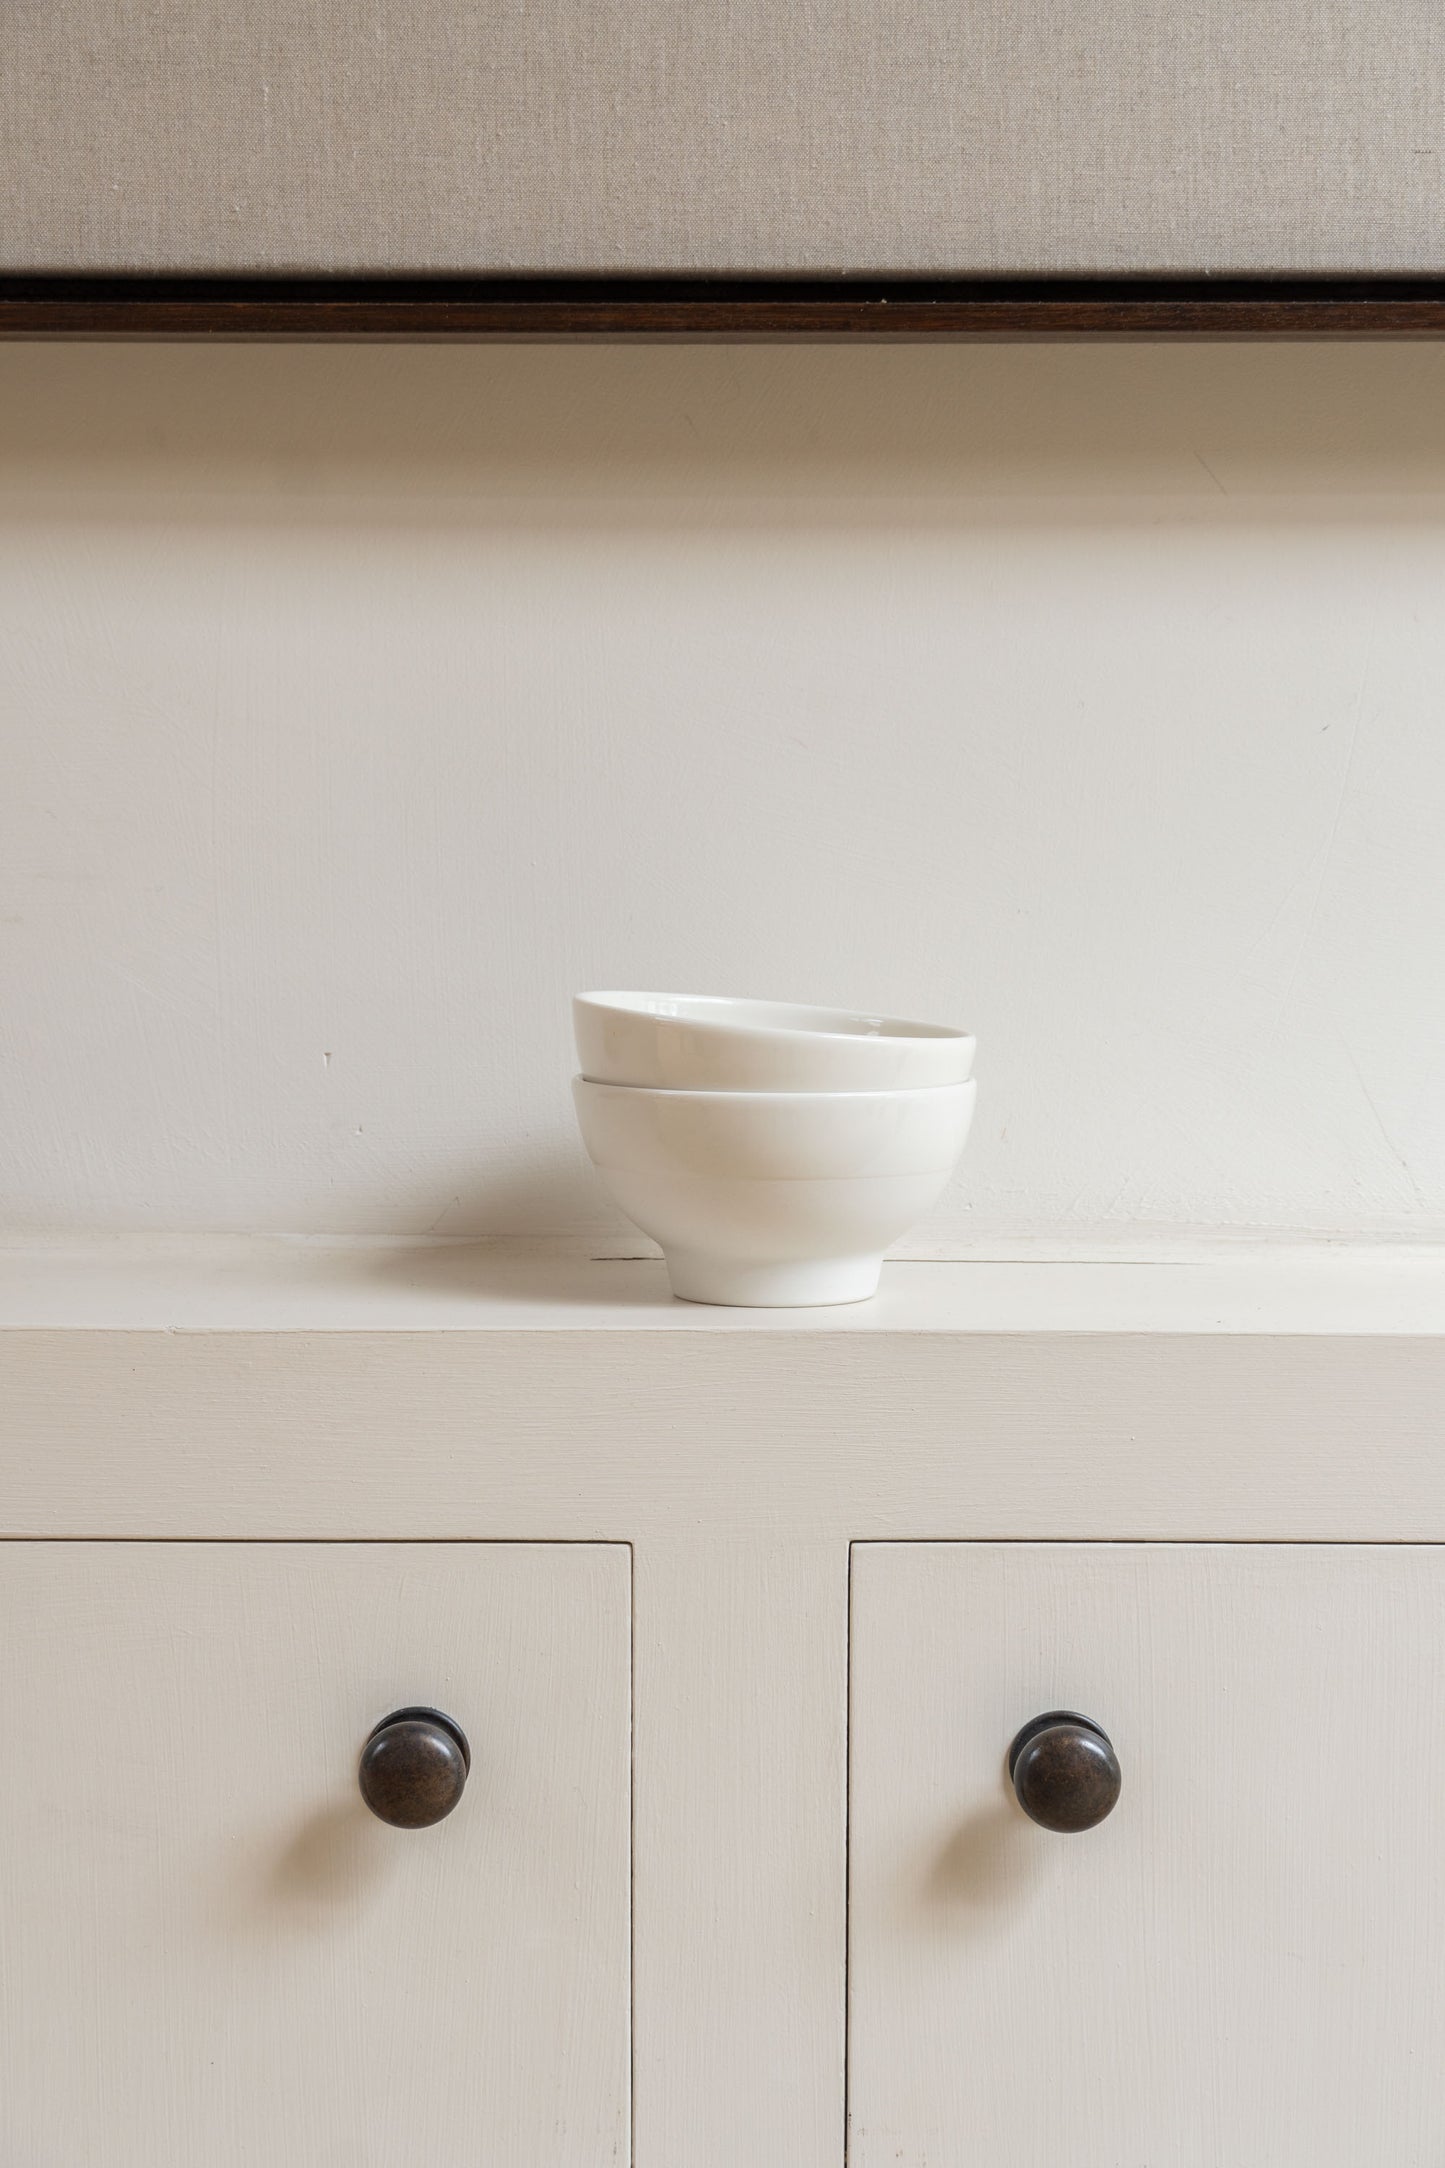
{"x": 890, "y": 1030}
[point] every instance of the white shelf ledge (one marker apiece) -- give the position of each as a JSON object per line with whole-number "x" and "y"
{"x": 280, "y": 1284}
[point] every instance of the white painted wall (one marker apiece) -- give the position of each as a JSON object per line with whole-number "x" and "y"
{"x": 357, "y": 705}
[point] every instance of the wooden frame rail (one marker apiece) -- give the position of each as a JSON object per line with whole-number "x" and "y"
{"x": 697, "y": 308}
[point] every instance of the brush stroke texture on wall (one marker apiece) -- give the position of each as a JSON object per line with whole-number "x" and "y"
{"x": 358, "y": 704}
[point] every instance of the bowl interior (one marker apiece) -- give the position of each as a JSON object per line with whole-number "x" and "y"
{"x": 720, "y": 1011}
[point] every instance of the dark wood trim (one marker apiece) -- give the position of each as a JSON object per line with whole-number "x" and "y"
{"x": 63, "y": 307}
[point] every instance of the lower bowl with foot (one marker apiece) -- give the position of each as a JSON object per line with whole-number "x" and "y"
{"x": 774, "y": 1199}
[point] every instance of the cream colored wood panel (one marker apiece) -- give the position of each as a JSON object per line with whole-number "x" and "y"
{"x": 1201, "y": 1436}
{"x": 1242, "y": 1964}
{"x": 210, "y": 1952}
{"x": 742, "y": 1659}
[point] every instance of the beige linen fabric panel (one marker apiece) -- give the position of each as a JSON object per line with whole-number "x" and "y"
{"x": 729, "y": 135}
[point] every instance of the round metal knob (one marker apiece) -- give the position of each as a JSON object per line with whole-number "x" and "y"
{"x": 413, "y": 1768}
{"x": 1064, "y": 1770}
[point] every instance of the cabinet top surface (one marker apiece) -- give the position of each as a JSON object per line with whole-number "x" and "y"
{"x": 275, "y": 1284}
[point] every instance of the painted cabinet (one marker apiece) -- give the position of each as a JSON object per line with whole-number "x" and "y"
{"x": 211, "y": 1951}
{"x": 1242, "y": 1962}
{"x": 737, "y": 1877}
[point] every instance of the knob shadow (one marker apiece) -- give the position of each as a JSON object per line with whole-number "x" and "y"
{"x": 330, "y": 1860}
{"x": 985, "y": 1863}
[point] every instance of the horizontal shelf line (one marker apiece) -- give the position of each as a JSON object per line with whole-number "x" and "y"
{"x": 66, "y": 306}
{"x": 256, "y": 1284}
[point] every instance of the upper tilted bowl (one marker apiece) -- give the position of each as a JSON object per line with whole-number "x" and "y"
{"x": 706, "y": 1042}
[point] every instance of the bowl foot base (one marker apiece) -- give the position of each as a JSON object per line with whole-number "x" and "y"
{"x": 800, "y": 1283}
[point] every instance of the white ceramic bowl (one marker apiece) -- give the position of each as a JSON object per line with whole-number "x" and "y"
{"x": 774, "y": 1198}
{"x": 701, "y": 1042}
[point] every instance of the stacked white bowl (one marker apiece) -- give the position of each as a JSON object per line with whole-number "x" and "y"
{"x": 774, "y": 1151}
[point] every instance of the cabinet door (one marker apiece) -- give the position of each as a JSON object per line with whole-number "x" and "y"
{"x": 1242, "y": 1964}
{"x": 212, "y": 1954}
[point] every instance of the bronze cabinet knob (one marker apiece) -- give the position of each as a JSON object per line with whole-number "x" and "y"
{"x": 413, "y": 1768}
{"x": 1064, "y": 1771}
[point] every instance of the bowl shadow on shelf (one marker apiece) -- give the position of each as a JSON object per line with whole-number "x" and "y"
{"x": 520, "y": 1239}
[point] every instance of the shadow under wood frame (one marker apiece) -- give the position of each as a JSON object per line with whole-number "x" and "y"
{"x": 69, "y": 306}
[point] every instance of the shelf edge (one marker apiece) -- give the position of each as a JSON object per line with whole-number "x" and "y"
{"x": 92, "y": 307}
